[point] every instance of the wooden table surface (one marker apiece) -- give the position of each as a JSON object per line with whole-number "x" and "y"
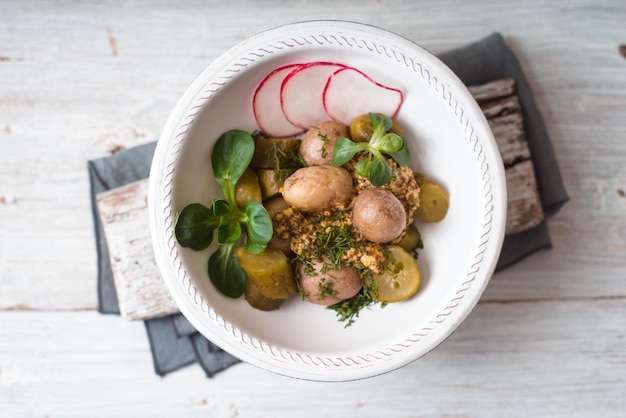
{"x": 80, "y": 80}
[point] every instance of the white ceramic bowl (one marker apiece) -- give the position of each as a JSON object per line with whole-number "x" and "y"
{"x": 449, "y": 139}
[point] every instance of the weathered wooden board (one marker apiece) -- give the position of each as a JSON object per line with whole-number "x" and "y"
{"x": 141, "y": 292}
{"x": 568, "y": 357}
{"x": 501, "y": 107}
{"x": 81, "y": 79}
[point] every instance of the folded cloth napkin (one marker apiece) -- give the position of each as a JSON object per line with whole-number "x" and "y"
{"x": 173, "y": 340}
{"x": 491, "y": 59}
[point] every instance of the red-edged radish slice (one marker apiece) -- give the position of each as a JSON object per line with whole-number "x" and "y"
{"x": 302, "y": 91}
{"x": 350, "y": 93}
{"x": 266, "y": 104}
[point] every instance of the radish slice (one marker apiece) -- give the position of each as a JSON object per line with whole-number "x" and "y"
{"x": 266, "y": 104}
{"x": 302, "y": 91}
{"x": 350, "y": 93}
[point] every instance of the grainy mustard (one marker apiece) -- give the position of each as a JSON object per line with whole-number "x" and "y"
{"x": 308, "y": 230}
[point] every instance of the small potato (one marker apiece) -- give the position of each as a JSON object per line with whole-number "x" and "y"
{"x": 434, "y": 202}
{"x": 273, "y": 206}
{"x": 319, "y": 142}
{"x": 317, "y": 188}
{"x": 331, "y": 286}
{"x": 379, "y": 215}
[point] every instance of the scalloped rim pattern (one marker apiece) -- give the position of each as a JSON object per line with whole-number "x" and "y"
{"x": 162, "y": 213}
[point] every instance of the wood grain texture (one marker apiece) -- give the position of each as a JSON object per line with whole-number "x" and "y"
{"x": 505, "y": 360}
{"x": 141, "y": 292}
{"x": 81, "y": 80}
{"x": 501, "y": 106}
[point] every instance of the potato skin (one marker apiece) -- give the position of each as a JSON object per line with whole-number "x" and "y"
{"x": 274, "y": 206}
{"x": 317, "y": 188}
{"x": 378, "y": 215}
{"x": 329, "y": 287}
{"x": 319, "y": 142}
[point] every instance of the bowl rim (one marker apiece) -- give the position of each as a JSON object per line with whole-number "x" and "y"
{"x": 308, "y": 365}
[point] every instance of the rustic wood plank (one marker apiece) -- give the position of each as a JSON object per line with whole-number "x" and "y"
{"x": 121, "y": 100}
{"x": 524, "y": 209}
{"x": 493, "y": 90}
{"x": 141, "y": 292}
{"x": 501, "y": 107}
{"x": 503, "y": 111}
{"x": 566, "y": 356}
{"x": 511, "y": 138}
{"x": 106, "y": 81}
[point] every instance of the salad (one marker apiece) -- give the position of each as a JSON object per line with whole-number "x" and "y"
{"x": 320, "y": 202}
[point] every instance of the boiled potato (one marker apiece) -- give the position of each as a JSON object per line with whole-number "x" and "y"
{"x": 324, "y": 285}
{"x": 271, "y": 180}
{"x": 248, "y": 188}
{"x": 434, "y": 201}
{"x": 276, "y": 153}
{"x": 270, "y": 272}
{"x": 316, "y": 188}
{"x": 273, "y": 206}
{"x": 378, "y": 215}
{"x": 318, "y": 144}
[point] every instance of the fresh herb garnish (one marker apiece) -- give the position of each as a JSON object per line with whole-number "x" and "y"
{"x": 196, "y": 223}
{"x": 348, "y": 310}
{"x": 333, "y": 239}
{"x": 374, "y": 165}
{"x": 284, "y": 158}
{"x": 325, "y": 143}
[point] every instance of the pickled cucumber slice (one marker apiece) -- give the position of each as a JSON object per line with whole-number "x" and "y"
{"x": 276, "y": 153}
{"x": 400, "y": 279}
{"x": 433, "y": 198}
{"x": 270, "y": 271}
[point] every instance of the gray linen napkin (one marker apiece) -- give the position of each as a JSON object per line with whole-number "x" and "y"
{"x": 491, "y": 59}
{"x": 173, "y": 340}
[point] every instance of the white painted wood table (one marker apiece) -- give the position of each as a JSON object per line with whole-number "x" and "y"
{"x": 79, "y": 80}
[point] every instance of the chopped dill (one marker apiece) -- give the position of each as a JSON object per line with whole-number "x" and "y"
{"x": 325, "y": 143}
{"x": 348, "y": 310}
{"x": 283, "y": 159}
{"x": 324, "y": 288}
{"x": 331, "y": 243}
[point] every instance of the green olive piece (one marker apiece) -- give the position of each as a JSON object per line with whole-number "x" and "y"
{"x": 248, "y": 188}
{"x": 434, "y": 201}
{"x": 361, "y": 128}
